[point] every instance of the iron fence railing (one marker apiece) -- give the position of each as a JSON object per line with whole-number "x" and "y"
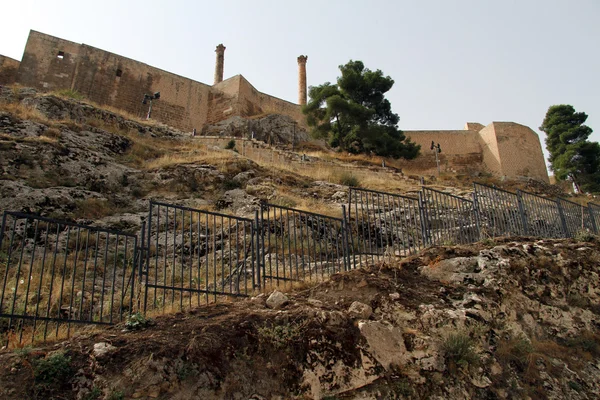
{"x": 500, "y": 212}
{"x": 577, "y": 217}
{"x": 300, "y": 245}
{"x": 449, "y": 219}
{"x": 595, "y": 216}
{"x": 55, "y": 274}
{"x": 194, "y": 254}
{"x": 543, "y": 216}
{"x": 383, "y": 224}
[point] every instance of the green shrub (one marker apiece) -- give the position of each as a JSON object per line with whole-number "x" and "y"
{"x": 116, "y": 395}
{"x": 230, "y": 184}
{"x": 279, "y": 336}
{"x": 230, "y": 145}
{"x": 459, "y": 350}
{"x": 52, "y": 372}
{"x": 348, "y": 179}
{"x": 584, "y": 235}
{"x": 137, "y": 321}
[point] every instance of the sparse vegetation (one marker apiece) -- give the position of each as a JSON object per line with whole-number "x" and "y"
{"x": 279, "y": 337}
{"x": 584, "y": 235}
{"x": 116, "y": 395}
{"x": 349, "y": 179}
{"x": 230, "y": 145}
{"x": 70, "y": 94}
{"x": 137, "y": 321}
{"x": 459, "y": 350}
{"x": 52, "y": 372}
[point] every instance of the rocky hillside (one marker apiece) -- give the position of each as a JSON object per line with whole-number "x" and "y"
{"x": 510, "y": 320}
{"x": 70, "y": 160}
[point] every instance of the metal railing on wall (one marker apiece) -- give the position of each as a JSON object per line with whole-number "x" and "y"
{"x": 56, "y": 274}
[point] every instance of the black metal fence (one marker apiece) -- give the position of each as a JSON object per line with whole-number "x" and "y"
{"x": 299, "y": 245}
{"x": 500, "y": 212}
{"x": 56, "y": 274}
{"x": 383, "y": 224}
{"x": 595, "y": 216}
{"x": 449, "y": 219}
{"x": 194, "y": 254}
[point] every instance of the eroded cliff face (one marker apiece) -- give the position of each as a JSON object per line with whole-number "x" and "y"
{"x": 511, "y": 319}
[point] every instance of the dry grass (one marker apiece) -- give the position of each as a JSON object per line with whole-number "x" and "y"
{"x": 23, "y": 112}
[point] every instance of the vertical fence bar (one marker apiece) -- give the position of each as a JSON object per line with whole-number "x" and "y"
{"x": 563, "y": 220}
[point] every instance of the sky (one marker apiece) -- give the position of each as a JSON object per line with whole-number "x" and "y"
{"x": 452, "y": 61}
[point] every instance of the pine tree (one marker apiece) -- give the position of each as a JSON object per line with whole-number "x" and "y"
{"x": 355, "y": 116}
{"x": 572, "y": 156}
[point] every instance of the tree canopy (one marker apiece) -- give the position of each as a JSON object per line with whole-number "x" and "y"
{"x": 572, "y": 156}
{"x": 355, "y": 116}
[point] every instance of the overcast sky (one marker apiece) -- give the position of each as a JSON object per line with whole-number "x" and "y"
{"x": 452, "y": 61}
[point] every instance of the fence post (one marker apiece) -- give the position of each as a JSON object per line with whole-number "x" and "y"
{"x": 563, "y": 221}
{"x": 141, "y": 257}
{"x": 522, "y": 213}
{"x": 476, "y": 213}
{"x": 257, "y": 232}
{"x": 3, "y": 226}
{"x": 589, "y": 207}
{"x": 345, "y": 239}
{"x": 422, "y": 212}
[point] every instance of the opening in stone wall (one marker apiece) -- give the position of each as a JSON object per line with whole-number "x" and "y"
{"x": 60, "y": 55}
{"x": 119, "y": 73}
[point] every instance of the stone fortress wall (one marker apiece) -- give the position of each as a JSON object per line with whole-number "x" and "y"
{"x": 52, "y": 64}
{"x": 501, "y": 148}
{"x": 9, "y": 68}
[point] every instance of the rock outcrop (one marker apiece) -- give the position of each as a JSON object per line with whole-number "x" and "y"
{"x": 517, "y": 319}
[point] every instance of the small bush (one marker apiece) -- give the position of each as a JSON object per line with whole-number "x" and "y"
{"x": 116, "y": 395}
{"x": 515, "y": 350}
{"x": 230, "y": 145}
{"x": 279, "y": 336}
{"x": 584, "y": 236}
{"x": 230, "y": 184}
{"x": 70, "y": 94}
{"x": 94, "y": 394}
{"x": 137, "y": 321}
{"x": 52, "y": 372}
{"x": 459, "y": 350}
{"x": 94, "y": 208}
{"x": 348, "y": 179}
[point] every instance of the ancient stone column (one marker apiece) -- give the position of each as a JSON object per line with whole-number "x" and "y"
{"x": 219, "y": 65}
{"x": 302, "y": 80}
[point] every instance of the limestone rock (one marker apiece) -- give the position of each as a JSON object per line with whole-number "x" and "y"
{"x": 360, "y": 310}
{"x": 385, "y": 343}
{"x": 102, "y": 348}
{"x": 277, "y": 300}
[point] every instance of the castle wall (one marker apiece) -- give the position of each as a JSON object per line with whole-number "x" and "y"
{"x": 9, "y": 68}
{"x": 223, "y": 100}
{"x": 461, "y": 151}
{"x": 110, "y": 79}
{"x": 489, "y": 149}
{"x": 520, "y": 151}
{"x": 252, "y": 102}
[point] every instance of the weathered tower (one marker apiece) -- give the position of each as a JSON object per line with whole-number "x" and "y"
{"x": 302, "y": 80}
{"x": 219, "y": 64}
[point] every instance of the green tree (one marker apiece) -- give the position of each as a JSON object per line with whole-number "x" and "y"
{"x": 355, "y": 115}
{"x": 572, "y": 156}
